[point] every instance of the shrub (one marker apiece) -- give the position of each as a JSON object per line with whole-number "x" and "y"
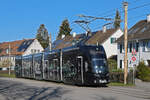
{"x": 143, "y": 72}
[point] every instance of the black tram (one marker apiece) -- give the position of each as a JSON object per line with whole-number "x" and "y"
{"x": 79, "y": 65}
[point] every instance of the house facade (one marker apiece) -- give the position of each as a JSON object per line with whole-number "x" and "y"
{"x": 110, "y": 44}
{"x": 9, "y": 50}
{"x": 138, "y": 45}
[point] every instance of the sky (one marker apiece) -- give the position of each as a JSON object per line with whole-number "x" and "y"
{"x": 20, "y": 19}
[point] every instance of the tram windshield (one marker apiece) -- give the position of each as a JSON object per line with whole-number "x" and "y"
{"x": 100, "y": 65}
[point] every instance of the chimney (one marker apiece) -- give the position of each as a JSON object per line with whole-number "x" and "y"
{"x": 104, "y": 29}
{"x": 74, "y": 34}
{"x": 88, "y": 33}
{"x": 148, "y": 18}
{"x": 62, "y": 36}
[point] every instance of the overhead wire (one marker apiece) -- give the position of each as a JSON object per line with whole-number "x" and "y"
{"x": 144, "y": 5}
{"x": 120, "y": 9}
{"x": 130, "y": 9}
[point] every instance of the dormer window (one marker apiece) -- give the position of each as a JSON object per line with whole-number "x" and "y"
{"x": 7, "y": 51}
{"x": 113, "y": 40}
{"x": 24, "y": 43}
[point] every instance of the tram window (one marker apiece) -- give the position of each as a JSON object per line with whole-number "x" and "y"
{"x": 46, "y": 63}
{"x": 86, "y": 66}
{"x": 55, "y": 63}
{"x": 72, "y": 68}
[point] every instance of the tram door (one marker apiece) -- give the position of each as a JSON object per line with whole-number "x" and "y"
{"x": 55, "y": 69}
{"x": 46, "y": 65}
{"x": 80, "y": 70}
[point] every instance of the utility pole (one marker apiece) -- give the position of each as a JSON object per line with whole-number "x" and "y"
{"x": 125, "y": 4}
{"x": 61, "y": 65}
{"x": 9, "y": 62}
{"x": 50, "y": 42}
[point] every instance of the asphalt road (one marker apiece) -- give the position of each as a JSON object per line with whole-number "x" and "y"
{"x": 25, "y": 89}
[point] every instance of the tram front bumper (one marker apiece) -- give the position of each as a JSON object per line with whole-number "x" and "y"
{"x": 101, "y": 79}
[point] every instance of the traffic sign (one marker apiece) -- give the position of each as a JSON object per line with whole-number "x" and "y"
{"x": 134, "y": 52}
{"x": 133, "y": 59}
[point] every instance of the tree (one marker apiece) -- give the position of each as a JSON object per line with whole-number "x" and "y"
{"x": 64, "y": 29}
{"x": 117, "y": 20}
{"x": 42, "y": 36}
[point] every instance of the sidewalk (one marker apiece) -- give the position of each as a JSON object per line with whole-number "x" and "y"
{"x": 142, "y": 85}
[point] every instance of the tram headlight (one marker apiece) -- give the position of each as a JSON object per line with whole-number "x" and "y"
{"x": 100, "y": 71}
{"x": 96, "y": 66}
{"x": 97, "y": 71}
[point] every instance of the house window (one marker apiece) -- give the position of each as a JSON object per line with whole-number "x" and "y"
{"x": 35, "y": 51}
{"x": 137, "y": 47}
{"x": 112, "y": 40}
{"x": 121, "y": 64}
{"x": 148, "y": 62}
{"x": 143, "y": 49}
{"x": 32, "y": 51}
{"x": 121, "y": 47}
{"x": 146, "y": 46}
{"x": 130, "y": 47}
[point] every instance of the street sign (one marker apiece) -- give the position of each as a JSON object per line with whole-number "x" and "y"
{"x": 134, "y": 52}
{"x": 133, "y": 58}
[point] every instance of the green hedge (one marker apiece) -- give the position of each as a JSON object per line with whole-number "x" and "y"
{"x": 143, "y": 72}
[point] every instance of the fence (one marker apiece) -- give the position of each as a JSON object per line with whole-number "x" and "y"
{"x": 119, "y": 77}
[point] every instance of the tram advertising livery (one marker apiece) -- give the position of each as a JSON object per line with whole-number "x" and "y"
{"x": 79, "y": 65}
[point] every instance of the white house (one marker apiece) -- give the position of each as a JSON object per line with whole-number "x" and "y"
{"x": 110, "y": 44}
{"x": 34, "y": 47}
{"x": 9, "y": 50}
{"x": 138, "y": 45}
